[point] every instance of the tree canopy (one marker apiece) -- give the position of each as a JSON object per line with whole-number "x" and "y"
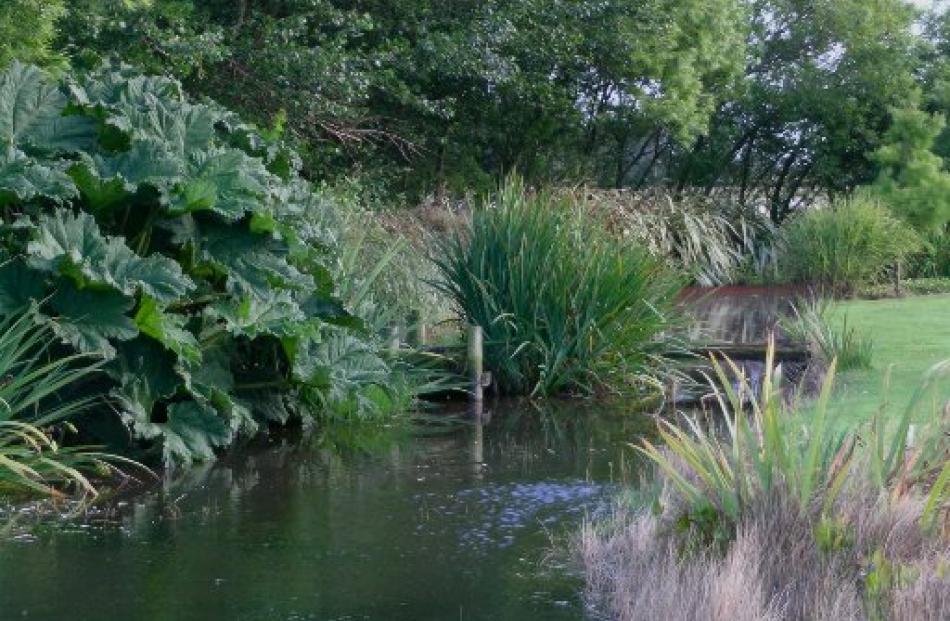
{"x": 777, "y": 100}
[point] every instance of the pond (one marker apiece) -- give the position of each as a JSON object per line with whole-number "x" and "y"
{"x": 452, "y": 521}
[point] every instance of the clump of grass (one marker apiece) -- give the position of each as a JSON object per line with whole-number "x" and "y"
{"x": 811, "y": 325}
{"x": 846, "y": 245}
{"x": 33, "y": 411}
{"x": 564, "y": 305}
{"x": 776, "y": 517}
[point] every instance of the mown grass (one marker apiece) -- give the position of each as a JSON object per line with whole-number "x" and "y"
{"x": 910, "y": 335}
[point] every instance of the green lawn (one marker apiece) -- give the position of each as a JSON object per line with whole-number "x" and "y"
{"x": 910, "y": 335}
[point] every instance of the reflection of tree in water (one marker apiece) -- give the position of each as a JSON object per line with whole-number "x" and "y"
{"x": 308, "y": 525}
{"x": 736, "y": 315}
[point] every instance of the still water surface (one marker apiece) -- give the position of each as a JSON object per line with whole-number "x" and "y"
{"x": 452, "y": 522}
{"x": 446, "y": 522}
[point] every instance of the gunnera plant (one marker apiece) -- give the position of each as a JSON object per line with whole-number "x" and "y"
{"x": 179, "y": 244}
{"x": 564, "y": 305}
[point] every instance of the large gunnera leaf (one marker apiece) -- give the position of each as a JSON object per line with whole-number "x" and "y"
{"x": 193, "y": 430}
{"x": 72, "y": 245}
{"x": 89, "y": 318}
{"x": 254, "y": 263}
{"x": 251, "y": 317}
{"x": 19, "y": 287}
{"x": 23, "y": 178}
{"x": 31, "y": 114}
{"x": 108, "y": 182}
{"x": 224, "y": 181}
{"x": 168, "y": 329}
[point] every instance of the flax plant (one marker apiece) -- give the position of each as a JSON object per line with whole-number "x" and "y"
{"x": 759, "y": 450}
{"x": 564, "y": 305}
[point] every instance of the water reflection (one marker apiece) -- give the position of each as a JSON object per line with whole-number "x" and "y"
{"x": 736, "y": 315}
{"x": 445, "y": 522}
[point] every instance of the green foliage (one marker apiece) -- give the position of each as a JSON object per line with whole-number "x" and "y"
{"x": 845, "y": 245}
{"x": 422, "y": 94}
{"x": 766, "y": 448}
{"x": 174, "y": 241}
{"x": 757, "y": 454}
{"x": 563, "y": 304}
{"x": 27, "y": 31}
{"x": 913, "y": 180}
{"x": 34, "y": 404}
{"x": 811, "y": 325}
{"x": 933, "y": 260}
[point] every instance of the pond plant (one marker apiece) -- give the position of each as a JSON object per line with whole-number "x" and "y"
{"x": 564, "y": 305}
{"x": 778, "y": 516}
{"x": 37, "y": 410}
{"x": 179, "y": 245}
{"x": 811, "y": 325}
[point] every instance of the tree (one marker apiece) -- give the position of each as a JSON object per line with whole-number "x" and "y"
{"x": 913, "y": 180}
{"x": 441, "y": 93}
{"x": 821, "y": 76}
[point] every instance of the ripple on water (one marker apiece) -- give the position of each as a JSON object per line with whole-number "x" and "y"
{"x": 489, "y": 516}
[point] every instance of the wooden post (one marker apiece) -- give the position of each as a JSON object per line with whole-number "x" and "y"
{"x": 394, "y": 341}
{"x": 418, "y": 334}
{"x": 897, "y": 279}
{"x": 475, "y": 362}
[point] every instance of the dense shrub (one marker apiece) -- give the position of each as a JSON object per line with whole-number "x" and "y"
{"x": 564, "y": 305}
{"x": 840, "y": 247}
{"x": 179, "y": 244}
{"x": 933, "y": 259}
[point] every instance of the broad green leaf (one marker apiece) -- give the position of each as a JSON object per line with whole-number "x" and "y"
{"x": 224, "y": 181}
{"x": 19, "y": 286}
{"x": 213, "y": 381}
{"x": 31, "y": 114}
{"x": 252, "y": 317}
{"x": 339, "y": 361}
{"x": 24, "y": 178}
{"x": 89, "y": 318}
{"x": 107, "y": 182}
{"x": 254, "y": 264}
{"x": 182, "y": 129}
{"x": 145, "y": 373}
{"x": 99, "y": 194}
{"x": 72, "y": 245}
{"x": 168, "y": 329}
{"x": 193, "y": 430}
{"x": 268, "y": 405}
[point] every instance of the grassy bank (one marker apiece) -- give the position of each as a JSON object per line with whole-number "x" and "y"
{"x": 910, "y": 335}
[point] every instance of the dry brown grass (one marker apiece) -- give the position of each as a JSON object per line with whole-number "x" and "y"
{"x": 774, "y": 569}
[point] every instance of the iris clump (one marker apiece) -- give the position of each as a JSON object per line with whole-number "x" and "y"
{"x": 564, "y": 305}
